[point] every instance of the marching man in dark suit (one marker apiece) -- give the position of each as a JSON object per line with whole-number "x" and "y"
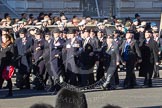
{"x": 149, "y": 51}
{"x": 39, "y": 65}
{"x": 24, "y": 48}
{"x": 55, "y": 59}
{"x": 130, "y": 55}
{"x": 73, "y": 45}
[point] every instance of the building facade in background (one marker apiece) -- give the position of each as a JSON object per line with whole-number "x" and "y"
{"x": 96, "y": 8}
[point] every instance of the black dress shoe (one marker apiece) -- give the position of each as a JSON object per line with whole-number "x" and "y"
{"x": 111, "y": 88}
{"x": 149, "y": 85}
{"x": 5, "y": 87}
{"x": 126, "y": 87}
{"x": 156, "y": 76}
{"x": 26, "y": 87}
{"x": 9, "y": 95}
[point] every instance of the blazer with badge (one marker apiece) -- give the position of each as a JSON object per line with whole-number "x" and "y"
{"x": 55, "y": 53}
{"x": 24, "y": 49}
{"x": 71, "y": 53}
{"x": 38, "y": 49}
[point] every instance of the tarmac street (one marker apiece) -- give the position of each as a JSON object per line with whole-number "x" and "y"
{"x": 96, "y": 98}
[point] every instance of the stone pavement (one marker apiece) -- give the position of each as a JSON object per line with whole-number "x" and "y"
{"x": 96, "y": 98}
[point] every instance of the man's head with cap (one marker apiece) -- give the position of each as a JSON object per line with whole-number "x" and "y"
{"x": 22, "y": 32}
{"x": 47, "y": 36}
{"x": 86, "y": 33}
{"x": 129, "y": 34}
{"x": 148, "y": 33}
{"x": 71, "y": 33}
{"x": 55, "y": 32}
{"x": 38, "y": 34}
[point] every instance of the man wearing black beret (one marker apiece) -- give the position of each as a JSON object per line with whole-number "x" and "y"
{"x": 73, "y": 45}
{"x": 23, "y": 46}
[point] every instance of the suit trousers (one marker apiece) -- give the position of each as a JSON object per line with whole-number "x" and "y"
{"x": 148, "y": 75}
{"x": 130, "y": 80}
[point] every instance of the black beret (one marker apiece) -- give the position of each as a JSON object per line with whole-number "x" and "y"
{"x": 38, "y": 32}
{"x": 87, "y": 30}
{"x": 47, "y": 33}
{"x": 149, "y": 31}
{"x": 56, "y": 30}
{"x": 23, "y": 31}
{"x": 71, "y": 31}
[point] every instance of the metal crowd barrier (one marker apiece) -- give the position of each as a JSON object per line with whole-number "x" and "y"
{"x": 108, "y": 28}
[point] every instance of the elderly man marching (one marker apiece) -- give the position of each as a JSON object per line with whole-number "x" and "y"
{"x": 111, "y": 55}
